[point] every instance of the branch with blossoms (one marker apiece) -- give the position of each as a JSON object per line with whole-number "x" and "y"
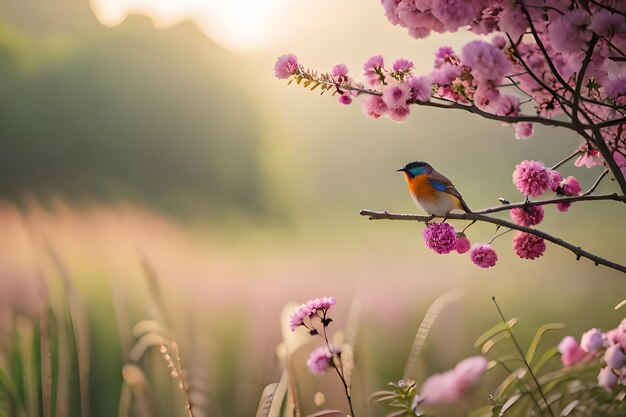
{"x": 560, "y": 58}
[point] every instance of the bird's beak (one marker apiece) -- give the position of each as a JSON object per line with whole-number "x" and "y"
{"x": 401, "y": 170}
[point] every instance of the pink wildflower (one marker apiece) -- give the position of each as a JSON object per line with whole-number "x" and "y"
{"x": 399, "y": 114}
{"x": 285, "y": 66}
{"x": 607, "y": 378}
{"x": 487, "y": 97}
{"x": 455, "y": 13}
{"x": 614, "y": 357}
{"x": 445, "y": 54}
{"x": 310, "y": 309}
{"x": 617, "y": 336}
{"x": 370, "y": 67}
{"x": 462, "y": 244}
{"x": 483, "y": 255}
{"x": 523, "y": 130}
{"x": 319, "y": 360}
{"x": 402, "y": 65}
{"x": 531, "y": 178}
{"x": 499, "y": 41}
{"x": 345, "y": 99}
{"x": 592, "y": 340}
{"x": 488, "y": 63}
{"x": 527, "y": 216}
{"x": 450, "y": 386}
{"x": 440, "y": 237}
{"x": 571, "y": 352}
{"x": 590, "y": 158}
{"x": 528, "y": 246}
{"x": 374, "y": 106}
{"x": 555, "y": 180}
{"x": 421, "y": 88}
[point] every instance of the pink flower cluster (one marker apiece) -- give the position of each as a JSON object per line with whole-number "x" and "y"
{"x": 609, "y": 346}
{"x": 483, "y": 255}
{"x": 528, "y": 246}
{"x": 450, "y": 386}
{"x": 443, "y": 239}
{"x": 309, "y": 309}
{"x": 531, "y": 178}
{"x": 527, "y": 216}
{"x": 286, "y": 66}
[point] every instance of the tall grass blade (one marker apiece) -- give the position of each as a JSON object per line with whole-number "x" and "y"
{"x": 425, "y": 326}
{"x": 537, "y": 338}
{"x": 267, "y": 396}
{"x": 495, "y": 330}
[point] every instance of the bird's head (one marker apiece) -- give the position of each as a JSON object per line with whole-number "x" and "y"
{"x": 415, "y": 169}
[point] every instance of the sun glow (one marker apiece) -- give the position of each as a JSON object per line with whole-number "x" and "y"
{"x": 239, "y": 25}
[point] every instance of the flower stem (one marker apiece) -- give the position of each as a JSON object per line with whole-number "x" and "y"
{"x": 339, "y": 372}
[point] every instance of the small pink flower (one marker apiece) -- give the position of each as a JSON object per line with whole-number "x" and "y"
{"x": 396, "y": 95}
{"x": 614, "y": 357}
{"x": 568, "y": 32}
{"x": 402, "y": 65}
{"x": 615, "y": 85}
{"x": 462, "y": 244}
{"x": 370, "y": 68}
{"x": 508, "y": 105}
{"x": 555, "y": 180}
{"x": 285, "y": 66}
{"x": 488, "y": 63}
{"x": 512, "y": 20}
{"x": 607, "y": 24}
{"x": 499, "y": 41}
{"x": 440, "y": 237}
{"x": 487, "y": 98}
{"x": 592, "y": 340}
{"x": 443, "y": 55}
{"x": 455, "y": 13}
{"x": 571, "y": 352}
{"x": 569, "y": 187}
{"x": 607, "y": 378}
{"x": 527, "y": 216}
{"x": 421, "y": 88}
{"x": 345, "y": 99}
{"x": 309, "y": 309}
{"x": 399, "y": 114}
{"x": 523, "y": 130}
{"x": 483, "y": 255}
{"x": 528, "y": 246}
{"x": 590, "y": 158}
{"x": 340, "y": 71}
{"x": 531, "y": 178}
{"x": 450, "y": 386}
{"x": 319, "y": 360}
{"x": 617, "y": 336}
{"x": 445, "y": 74}
{"x": 374, "y": 106}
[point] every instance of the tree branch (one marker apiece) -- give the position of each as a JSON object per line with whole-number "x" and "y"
{"x": 572, "y": 199}
{"x": 576, "y": 250}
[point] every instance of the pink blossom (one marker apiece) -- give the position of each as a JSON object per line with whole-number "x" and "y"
{"x": 370, "y": 67}
{"x": 508, "y": 105}
{"x": 285, "y": 66}
{"x": 444, "y": 55}
{"x": 455, "y": 13}
{"x": 531, "y": 178}
{"x": 528, "y": 246}
{"x": 445, "y": 74}
{"x": 590, "y": 158}
{"x": 527, "y": 216}
{"x": 345, "y": 99}
{"x": 488, "y": 63}
{"x": 440, "y": 237}
{"x": 607, "y": 24}
{"x": 569, "y": 186}
{"x": 402, "y": 65}
{"x": 617, "y": 336}
{"x": 614, "y": 357}
{"x": 568, "y": 32}
{"x": 449, "y": 387}
{"x": 487, "y": 97}
{"x": 309, "y": 309}
{"x": 512, "y": 20}
{"x": 396, "y": 95}
{"x": 374, "y": 106}
{"x": 339, "y": 71}
{"x": 421, "y": 88}
{"x": 523, "y": 130}
{"x": 483, "y": 255}
{"x": 615, "y": 85}
{"x": 607, "y": 378}
{"x": 499, "y": 41}
{"x": 391, "y": 10}
{"x": 462, "y": 244}
{"x": 571, "y": 352}
{"x": 592, "y": 340}
{"x": 319, "y": 360}
{"x": 399, "y": 114}
{"x": 555, "y": 180}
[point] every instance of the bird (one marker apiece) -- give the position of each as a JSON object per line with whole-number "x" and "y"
{"x": 432, "y": 191}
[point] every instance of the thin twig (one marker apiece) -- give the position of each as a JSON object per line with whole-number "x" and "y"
{"x": 572, "y": 199}
{"x": 595, "y": 184}
{"x": 576, "y": 250}
{"x": 558, "y": 164}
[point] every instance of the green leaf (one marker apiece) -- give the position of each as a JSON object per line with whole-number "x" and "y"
{"x": 569, "y": 408}
{"x": 537, "y": 339}
{"x": 505, "y": 387}
{"x": 495, "y": 330}
{"x": 510, "y": 403}
{"x": 543, "y": 359}
{"x": 489, "y": 344}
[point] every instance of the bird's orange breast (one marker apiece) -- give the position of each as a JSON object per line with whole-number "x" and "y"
{"x": 421, "y": 188}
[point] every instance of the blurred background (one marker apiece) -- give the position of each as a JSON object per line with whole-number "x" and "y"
{"x": 152, "y": 168}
